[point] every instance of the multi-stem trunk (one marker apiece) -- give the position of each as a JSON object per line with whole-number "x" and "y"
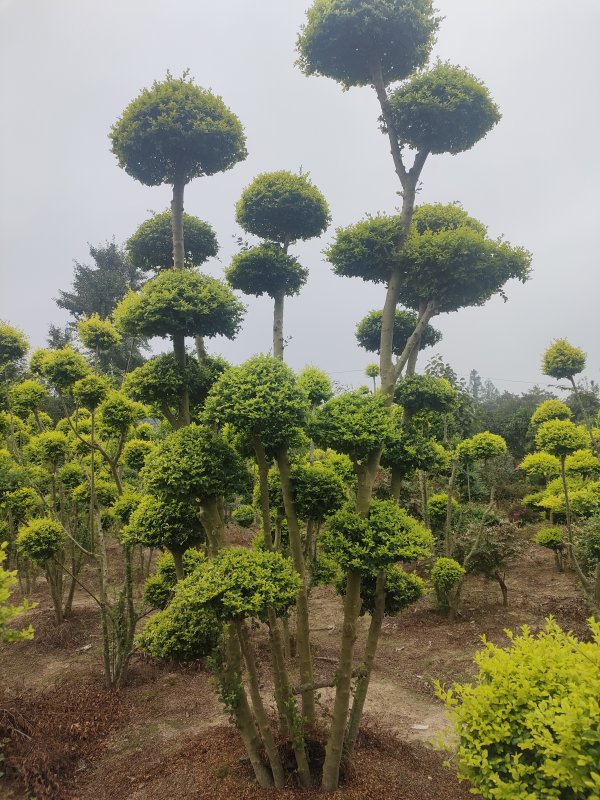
{"x": 335, "y": 742}
{"x": 214, "y": 526}
{"x": 362, "y": 683}
{"x": 302, "y": 624}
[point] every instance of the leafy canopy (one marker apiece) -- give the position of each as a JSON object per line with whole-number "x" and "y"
{"x": 368, "y": 331}
{"x": 282, "y": 207}
{"x": 442, "y": 110}
{"x": 176, "y": 131}
{"x": 562, "y": 360}
{"x": 550, "y": 409}
{"x": 181, "y": 302}
{"x": 559, "y": 437}
{"x": 13, "y": 344}
{"x": 266, "y": 269}
{"x": 348, "y": 40}
{"x": 151, "y": 246}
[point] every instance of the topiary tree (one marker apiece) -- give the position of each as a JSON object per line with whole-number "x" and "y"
{"x": 13, "y": 348}
{"x": 279, "y": 207}
{"x": 372, "y": 371}
{"x": 553, "y": 539}
{"x": 447, "y": 578}
{"x": 150, "y": 248}
{"x": 542, "y": 745}
{"x": 28, "y": 397}
{"x": 42, "y": 541}
{"x": 175, "y": 132}
{"x": 550, "y": 409}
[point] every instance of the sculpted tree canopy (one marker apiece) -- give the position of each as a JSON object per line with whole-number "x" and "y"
{"x": 266, "y": 269}
{"x": 181, "y": 302}
{"x": 562, "y": 360}
{"x": 176, "y": 131}
{"x": 282, "y": 207}
{"x": 368, "y": 331}
{"x": 442, "y": 110}
{"x": 151, "y": 246}
{"x": 348, "y": 40}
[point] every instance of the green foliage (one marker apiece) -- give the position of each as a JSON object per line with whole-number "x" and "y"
{"x": 348, "y": 39}
{"x": 582, "y": 462}
{"x": 8, "y": 611}
{"x": 560, "y": 437}
{"x": 438, "y": 506}
{"x": 22, "y": 503}
{"x": 181, "y": 302}
{"x": 135, "y": 452}
{"x": 490, "y": 549}
{"x": 125, "y": 505}
{"x": 260, "y": 396}
{"x": 244, "y": 516}
{"x": 97, "y": 334}
{"x": 368, "y": 249}
{"x": 118, "y": 413}
{"x": 402, "y": 589}
{"x": 588, "y": 543}
{"x": 62, "y": 368}
{"x": 552, "y": 538}
{"x": 528, "y": 727}
{"x": 368, "y": 331}
{"x": 550, "y": 409}
{"x": 50, "y": 447}
{"x": 159, "y": 587}
{"x": 151, "y": 246}
{"x": 266, "y": 269}
{"x": 13, "y": 344}
{"x": 562, "y": 360}
{"x": 41, "y": 539}
{"x": 481, "y": 447}
{"x": 176, "y": 131}
{"x": 354, "y": 423}
{"x": 388, "y": 535}
{"x": 166, "y": 524}
{"x": 161, "y": 379}
{"x": 90, "y": 391}
{"x": 318, "y": 490}
{"x": 27, "y": 396}
{"x": 194, "y": 463}
{"x": 541, "y": 465}
{"x": 372, "y": 370}
{"x": 315, "y": 385}
{"x": 282, "y": 207}
{"x": 444, "y": 109}
{"x": 447, "y": 577}
{"x": 425, "y": 393}
{"x": 325, "y": 570}
{"x": 105, "y": 492}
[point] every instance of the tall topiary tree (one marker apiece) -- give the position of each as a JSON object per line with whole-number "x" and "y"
{"x": 281, "y": 208}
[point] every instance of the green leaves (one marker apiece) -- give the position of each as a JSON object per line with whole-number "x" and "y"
{"x": 266, "y": 269}
{"x": 444, "y": 109}
{"x": 41, "y": 540}
{"x": 425, "y": 393}
{"x": 13, "y": 344}
{"x": 348, "y": 39}
{"x": 559, "y": 437}
{"x": 176, "y": 130}
{"x": 562, "y": 360}
{"x": 181, "y": 302}
{"x": 151, "y": 246}
{"x": 481, "y": 447}
{"x": 282, "y": 207}
{"x": 368, "y": 331}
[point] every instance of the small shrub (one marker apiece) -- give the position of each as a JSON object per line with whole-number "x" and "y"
{"x": 530, "y": 725}
{"x": 588, "y": 545}
{"x": 243, "y": 516}
{"x": 447, "y": 577}
{"x": 553, "y": 539}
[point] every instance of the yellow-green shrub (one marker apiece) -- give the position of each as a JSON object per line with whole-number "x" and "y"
{"x": 530, "y": 726}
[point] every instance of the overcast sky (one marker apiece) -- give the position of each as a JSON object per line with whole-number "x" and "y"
{"x": 68, "y": 68}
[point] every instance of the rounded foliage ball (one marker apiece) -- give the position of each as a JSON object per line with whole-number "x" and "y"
{"x": 97, "y": 334}
{"x": 266, "y": 269}
{"x": 550, "y": 409}
{"x": 425, "y": 393}
{"x": 282, "y": 207}
{"x": 560, "y": 437}
{"x": 13, "y": 344}
{"x": 315, "y": 385}
{"x": 562, "y": 360}
{"x": 368, "y": 331}
{"x": 244, "y": 516}
{"x": 40, "y": 540}
{"x": 151, "y": 246}
{"x": 177, "y": 131}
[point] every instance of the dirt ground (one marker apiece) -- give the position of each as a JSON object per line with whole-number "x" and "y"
{"x": 165, "y": 736}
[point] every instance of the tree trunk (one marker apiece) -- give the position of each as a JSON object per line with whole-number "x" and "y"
{"x": 302, "y": 623}
{"x": 335, "y": 742}
{"x": 213, "y": 525}
{"x": 424, "y": 498}
{"x": 177, "y": 223}
{"x": 396, "y": 485}
{"x": 263, "y": 482}
{"x": 262, "y": 718}
{"x": 178, "y": 561}
{"x": 448, "y": 538}
{"x": 278, "y": 301}
{"x": 503, "y": 589}
{"x": 184, "y": 398}
{"x": 362, "y": 684}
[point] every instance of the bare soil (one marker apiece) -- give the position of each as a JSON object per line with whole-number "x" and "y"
{"x": 166, "y": 737}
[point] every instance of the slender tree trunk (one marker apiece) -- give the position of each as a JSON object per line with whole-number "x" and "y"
{"x": 335, "y": 742}
{"x": 424, "y": 498}
{"x": 278, "y": 302}
{"x": 362, "y": 683}
{"x": 396, "y": 484}
{"x": 232, "y": 683}
{"x": 302, "y": 623}
{"x": 448, "y": 538}
{"x": 586, "y": 419}
{"x": 262, "y": 718}
{"x": 177, "y": 223}
{"x": 213, "y": 525}
{"x": 571, "y": 546}
{"x": 178, "y": 561}
{"x": 263, "y": 482}
{"x": 184, "y": 398}
{"x": 503, "y": 589}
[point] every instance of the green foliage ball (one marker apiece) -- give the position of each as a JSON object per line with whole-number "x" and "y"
{"x": 13, "y": 344}
{"x": 91, "y": 390}
{"x": 438, "y": 507}
{"x": 562, "y": 360}
{"x": 315, "y": 385}
{"x": 244, "y": 516}
{"x": 318, "y": 490}
{"x": 560, "y": 437}
{"x": 368, "y": 331}
{"x": 27, "y": 396}
{"x": 266, "y": 269}
{"x": 550, "y": 409}
{"x": 176, "y": 131}
{"x": 481, "y": 447}
{"x": 552, "y": 538}
{"x": 166, "y": 524}
{"x": 135, "y": 452}
{"x": 282, "y": 207}
{"x": 540, "y": 465}
{"x": 446, "y": 577}
{"x": 425, "y": 393}
{"x": 402, "y": 589}
{"x": 41, "y": 539}
{"x": 151, "y": 246}
{"x": 63, "y": 368}
{"x": 97, "y": 334}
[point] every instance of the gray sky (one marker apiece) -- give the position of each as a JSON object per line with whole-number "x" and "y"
{"x": 68, "y": 68}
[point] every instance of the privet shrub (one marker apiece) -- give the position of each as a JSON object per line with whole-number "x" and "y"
{"x": 158, "y": 588}
{"x": 438, "y": 506}
{"x": 554, "y": 539}
{"x": 529, "y": 727}
{"x": 243, "y": 516}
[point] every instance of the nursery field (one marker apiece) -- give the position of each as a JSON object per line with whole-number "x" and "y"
{"x": 165, "y": 735}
